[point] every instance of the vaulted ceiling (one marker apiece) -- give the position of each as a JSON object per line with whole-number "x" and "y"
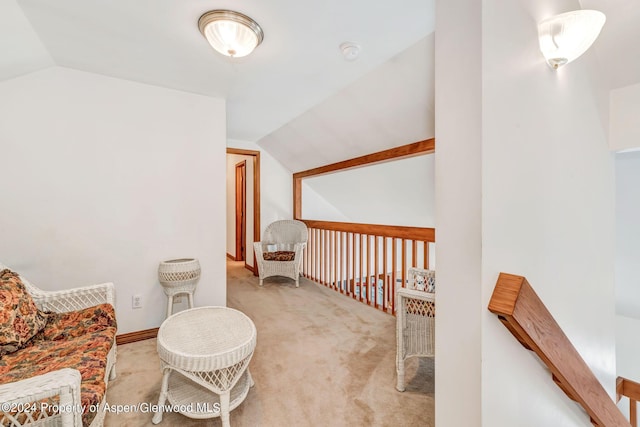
{"x": 157, "y": 42}
{"x": 295, "y": 95}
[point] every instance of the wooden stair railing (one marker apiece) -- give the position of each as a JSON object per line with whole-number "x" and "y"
{"x": 526, "y": 317}
{"x": 630, "y": 389}
{"x": 367, "y": 262}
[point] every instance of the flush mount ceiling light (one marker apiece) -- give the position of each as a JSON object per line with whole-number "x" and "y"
{"x": 565, "y": 37}
{"x": 230, "y": 33}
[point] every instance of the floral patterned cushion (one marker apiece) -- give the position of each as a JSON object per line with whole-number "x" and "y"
{"x": 74, "y": 324}
{"x": 20, "y": 319}
{"x": 279, "y": 256}
{"x": 59, "y": 346}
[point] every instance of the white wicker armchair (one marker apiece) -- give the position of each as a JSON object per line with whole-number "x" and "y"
{"x": 284, "y": 235}
{"x": 63, "y": 383}
{"x": 415, "y": 319}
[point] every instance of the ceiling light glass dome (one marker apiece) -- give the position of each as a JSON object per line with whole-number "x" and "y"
{"x": 230, "y": 33}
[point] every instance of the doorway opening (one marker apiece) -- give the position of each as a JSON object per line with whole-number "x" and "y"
{"x": 241, "y": 210}
{"x": 243, "y": 205}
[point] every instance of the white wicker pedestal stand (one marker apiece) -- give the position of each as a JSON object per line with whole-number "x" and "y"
{"x": 179, "y": 276}
{"x": 205, "y": 354}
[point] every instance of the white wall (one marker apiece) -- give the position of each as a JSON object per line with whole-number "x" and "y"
{"x": 276, "y": 185}
{"x": 624, "y": 112}
{"x": 316, "y": 206}
{"x": 627, "y": 268}
{"x": 628, "y": 235}
{"x": 458, "y": 161}
{"x": 232, "y": 161}
{"x": 104, "y": 178}
{"x": 538, "y": 149}
{"x": 399, "y": 192}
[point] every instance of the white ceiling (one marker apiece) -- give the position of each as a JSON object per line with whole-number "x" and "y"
{"x": 21, "y": 51}
{"x": 390, "y": 106}
{"x": 296, "y": 96}
{"x": 618, "y": 46}
{"x": 157, "y": 42}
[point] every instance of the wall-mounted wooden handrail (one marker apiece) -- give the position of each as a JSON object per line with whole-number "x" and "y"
{"x": 526, "y": 317}
{"x": 630, "y": 389}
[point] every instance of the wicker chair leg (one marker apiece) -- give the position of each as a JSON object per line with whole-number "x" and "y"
{"x": 157, "y": 417}
{"x": 112, "y": 373}
{"x": 400, "y": 374}
{"x": 224, "y": 409}
{"x": 169, "y": 305}
{"x": 297, "y": 282}
{"x": 261, "y": 280}
{"x": 190, "y": 295}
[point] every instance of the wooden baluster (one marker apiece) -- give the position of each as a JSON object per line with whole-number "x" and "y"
{"x": 385, "y": 282}
{"x": 368, "y": 285}
{"x": 343, "y": 246}
{"x": 375, "y": 273}
{"x": 331, "y": 258}
{"x": 360, "y": 264}
{"x": 426, "y": 255}
{"x": 338, "y": 263}
{"x": 633, "y": 414}
{"x": 414, "y": 253}
{"x": 309, "y": 275}
{"x": 404, "y": 263}
{"x": 351, "y": 262}
{"x": 322, "y": 256}
{"x": 309, "y": 254}
{"x": 327, "y": 254}
{"x": 318, "y": 256}
{"x": 394, "y": 256}
{"x": 335, "y": 260}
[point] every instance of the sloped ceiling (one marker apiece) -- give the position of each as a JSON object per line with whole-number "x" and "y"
{"x": 618, "y": 46}
{"x": 390, "y": 106}
{"x": 21, "y": 51}
{"x": 296, "y": 96}
{"x": 298, "y": 65}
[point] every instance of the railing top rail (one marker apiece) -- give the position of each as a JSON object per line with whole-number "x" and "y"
{"x": 398, "y": 231}
{"x": 628, "y": 388}
{"x": 523, "y": 313}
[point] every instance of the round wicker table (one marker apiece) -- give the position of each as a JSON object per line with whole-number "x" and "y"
{"x": 205, "y": 353}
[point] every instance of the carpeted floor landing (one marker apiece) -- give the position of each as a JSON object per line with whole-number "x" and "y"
{"x": 321, "y": 359}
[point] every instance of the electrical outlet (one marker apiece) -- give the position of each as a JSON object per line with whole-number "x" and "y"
{"x": 136, "y": 301}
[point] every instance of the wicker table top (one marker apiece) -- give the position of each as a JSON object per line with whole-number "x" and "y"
{"x": 206, "y": 338}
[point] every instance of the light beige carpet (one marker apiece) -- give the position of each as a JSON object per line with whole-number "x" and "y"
{"x": 322, "y": 359}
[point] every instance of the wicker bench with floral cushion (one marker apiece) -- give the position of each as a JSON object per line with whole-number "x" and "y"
{"x": 57, "y": 353}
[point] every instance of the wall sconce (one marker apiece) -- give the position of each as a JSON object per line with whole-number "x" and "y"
{"x": 230, "y": 33}
{"x": 565, "y": 37}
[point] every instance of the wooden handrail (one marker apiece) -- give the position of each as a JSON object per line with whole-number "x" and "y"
{"x": 526, "y": 317}
{"x": 367, "y": 262}
{"x": 630, "y": 389}
{"x": 402, "y": 232}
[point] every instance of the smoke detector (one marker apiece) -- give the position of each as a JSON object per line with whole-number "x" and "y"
{"x": 350, "y": 50}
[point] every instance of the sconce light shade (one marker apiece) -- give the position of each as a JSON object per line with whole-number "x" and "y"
{"x": 565, "y": 37}
{"x": 230, "y": 33}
